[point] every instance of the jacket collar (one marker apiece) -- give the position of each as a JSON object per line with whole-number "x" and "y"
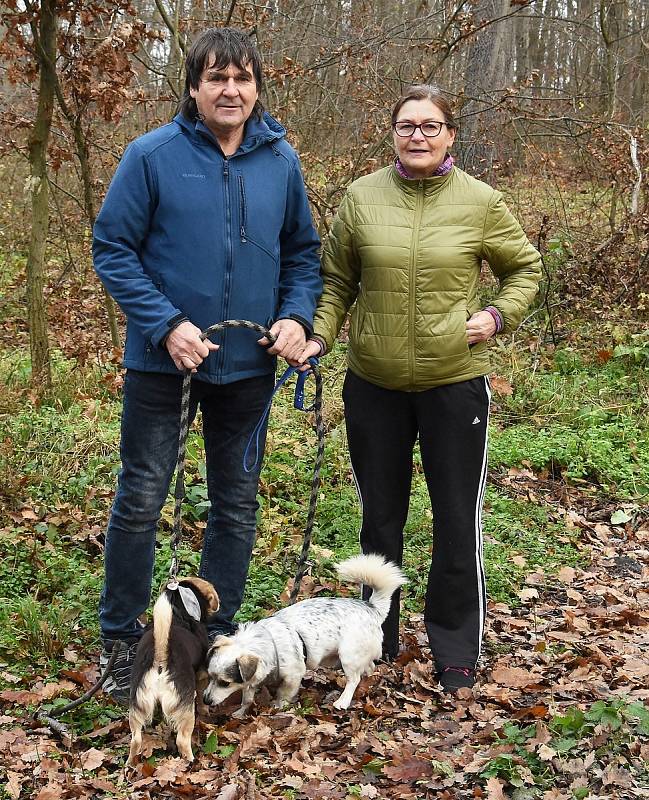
{"x": 257, "y": 131}
{"x": 429, "y": 185}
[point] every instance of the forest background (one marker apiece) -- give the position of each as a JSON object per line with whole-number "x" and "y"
{"x": 551, "y": 98}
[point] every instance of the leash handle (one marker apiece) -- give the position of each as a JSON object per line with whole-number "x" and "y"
{"x": 238, "y": 323}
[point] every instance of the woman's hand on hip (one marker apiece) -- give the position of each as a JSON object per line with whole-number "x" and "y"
{"x": 480, "y": 327}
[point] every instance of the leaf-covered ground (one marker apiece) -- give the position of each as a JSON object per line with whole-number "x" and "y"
{"x": 560, "y": 709}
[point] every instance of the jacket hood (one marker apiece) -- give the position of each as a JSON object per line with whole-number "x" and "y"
{"x": 257, "y": 131}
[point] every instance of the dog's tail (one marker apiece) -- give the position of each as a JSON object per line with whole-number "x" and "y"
{"x": 162, "y": 616}
{"x": 384, "y": 577}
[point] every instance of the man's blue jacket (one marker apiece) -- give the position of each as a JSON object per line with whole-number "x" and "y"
{"x": 185, "y": 231}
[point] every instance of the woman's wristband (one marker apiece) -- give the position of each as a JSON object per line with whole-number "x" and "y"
{"x": 497, "y": 317}
{"x": 319, "y": 340}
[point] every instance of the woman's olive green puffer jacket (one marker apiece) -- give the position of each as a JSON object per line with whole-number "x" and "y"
{"x": 409, "y": 253}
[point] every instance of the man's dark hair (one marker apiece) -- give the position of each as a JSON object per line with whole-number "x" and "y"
{"x": 227, "y": 46}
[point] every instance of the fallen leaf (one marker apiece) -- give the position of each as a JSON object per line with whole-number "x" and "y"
{"x": 14, "y": 784}
{"x": 229, "y": 792}
{"x": 51, "y": 690}
{"x": 92, "y": 759}
{"x": 203, "y": 776}
{"x": 500, "y": 385}
{"x": 257, "y": 739}
{"x": 50, "y": 792}
{"x": 167, "y": 771}
{"x": 546, "y": 753}
{"x": 514, "y": 677}
{"x": 408, "y": 770}
{"x": 566, "y": 574}
{"x": 367, "y": 790}
{"x": 495, "y": 789}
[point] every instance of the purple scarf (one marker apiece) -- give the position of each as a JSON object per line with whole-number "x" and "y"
{"x": 444, "y": 168}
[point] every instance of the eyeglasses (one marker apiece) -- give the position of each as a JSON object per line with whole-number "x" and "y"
{"x": 429, "y": 129}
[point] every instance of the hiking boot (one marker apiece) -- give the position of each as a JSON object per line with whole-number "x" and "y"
{"x": 118, "y": 682}
{"x": 454, "y": 678}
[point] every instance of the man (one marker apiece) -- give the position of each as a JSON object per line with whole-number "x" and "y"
{"x": 206, "y": 219}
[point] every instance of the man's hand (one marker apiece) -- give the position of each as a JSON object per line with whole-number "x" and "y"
{"x": 186, "y": 348}
{"x": 480, "y": 327}
{"x": 289, "y": 340}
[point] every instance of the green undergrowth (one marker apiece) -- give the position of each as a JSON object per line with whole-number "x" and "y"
{"x": 574, "y": 415}
{"x": 603, "y": 731}
{"x": 49, "y": 587}
{"x": 582, "y": 418}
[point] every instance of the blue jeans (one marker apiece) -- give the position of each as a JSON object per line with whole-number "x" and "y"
{"x": 149, "y": 449}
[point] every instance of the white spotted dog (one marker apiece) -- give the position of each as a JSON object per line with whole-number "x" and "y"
{"x": 322, "y": 631}
{"x": 169, "y": 667}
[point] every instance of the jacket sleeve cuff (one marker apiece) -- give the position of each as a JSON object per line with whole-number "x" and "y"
{"x": 323, "y": 345}
{"x": 160, "y": 334}
{"x": 497, "y": 317}
{"x": 308, "y": 329}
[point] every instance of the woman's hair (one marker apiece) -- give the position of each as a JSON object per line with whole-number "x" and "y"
{"x": 426, "y": 91}
{"x": 227, "y": 46}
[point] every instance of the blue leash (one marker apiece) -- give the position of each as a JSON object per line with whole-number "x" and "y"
{"x": 298, "y": 403}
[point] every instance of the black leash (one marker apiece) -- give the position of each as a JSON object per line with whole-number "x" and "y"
{"x": 315, "y": 484}
{"x": 179, "y": 490}
{"x": 179, "y": 495}
{"x": 50, "y": 719}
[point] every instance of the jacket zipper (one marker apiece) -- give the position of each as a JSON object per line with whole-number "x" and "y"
{"x": 228, "y": 262}
{"x": 242, "y": 200}
{"x": 412, "y": 286}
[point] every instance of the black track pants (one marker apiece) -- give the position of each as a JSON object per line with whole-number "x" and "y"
{"x": 451, "y": 423}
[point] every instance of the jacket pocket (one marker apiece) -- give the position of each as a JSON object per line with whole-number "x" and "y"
{"x": 243, "y": 211}
{"x": 454, "y": 340}
{"x": 245, "y": 234}
{"x": 357, "y": 321}
{"x": 263, "y": 248}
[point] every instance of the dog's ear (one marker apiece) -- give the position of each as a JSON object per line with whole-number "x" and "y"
{"x": 207, "y": 591}
{"x": 248, "y": 666}
{"x": 213, "y": 602}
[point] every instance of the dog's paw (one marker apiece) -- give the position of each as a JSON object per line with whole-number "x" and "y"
{"x": 341, "y": 705}
{"x": 240, "y": 713}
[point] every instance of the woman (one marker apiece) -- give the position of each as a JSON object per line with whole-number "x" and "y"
{"x": 406, "y": 246}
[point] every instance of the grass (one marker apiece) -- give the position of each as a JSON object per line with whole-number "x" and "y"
{"x": 582, "y": 418}
{"x": 573, "y": 416}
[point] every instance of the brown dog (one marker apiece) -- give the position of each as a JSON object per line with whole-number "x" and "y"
{"x": 169, "y": 668}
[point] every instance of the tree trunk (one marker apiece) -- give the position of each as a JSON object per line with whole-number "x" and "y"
{"x": 485, "y": 70}
{"x": 81, "y": 145}
{"x": 45, "y": 40}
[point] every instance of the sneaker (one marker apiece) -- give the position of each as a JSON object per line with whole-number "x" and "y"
{"x": 118, "y": 682}
{"x": 454, "y": 678}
